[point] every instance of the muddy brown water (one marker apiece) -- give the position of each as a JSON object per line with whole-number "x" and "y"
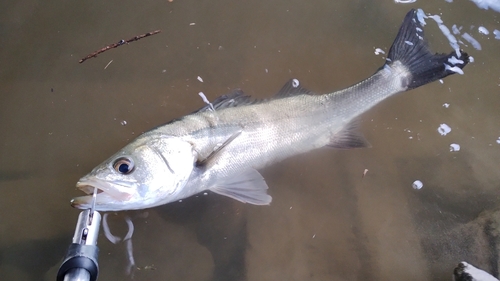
{"x": 59, "y": 118}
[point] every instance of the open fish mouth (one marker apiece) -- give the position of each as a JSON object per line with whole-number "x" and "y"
{"x": 106, "y": 193}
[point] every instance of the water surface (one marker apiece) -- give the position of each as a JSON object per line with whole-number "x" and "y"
{"x": 59, "y": 119}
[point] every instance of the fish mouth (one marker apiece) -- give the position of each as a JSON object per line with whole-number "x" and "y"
{"x": 106, "y": 193}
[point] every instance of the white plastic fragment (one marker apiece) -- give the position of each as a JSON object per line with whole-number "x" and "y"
{"x": 379, "y": 51}
{"x": 441, "y": 81}
{"x": 444, "y": 129}
{"x": 417, "y": 184}
{"x": 471, "y": 40}
{"x": 200, "y": 79}
{"x": 454, "y": 147}
{"x": 483, "y": 30}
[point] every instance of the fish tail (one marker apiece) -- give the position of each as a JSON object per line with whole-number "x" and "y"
{"x": 411, "y": 49}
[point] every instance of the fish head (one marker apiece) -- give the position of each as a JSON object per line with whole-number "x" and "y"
{"x": 146, "y": 173}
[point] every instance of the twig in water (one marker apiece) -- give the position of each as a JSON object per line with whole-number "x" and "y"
{"x": 119, "y": 43}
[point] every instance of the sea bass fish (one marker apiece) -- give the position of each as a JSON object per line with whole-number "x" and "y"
{"x": 221, "y": 146}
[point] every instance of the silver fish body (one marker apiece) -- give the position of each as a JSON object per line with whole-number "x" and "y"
{"x": 221, "y": 147}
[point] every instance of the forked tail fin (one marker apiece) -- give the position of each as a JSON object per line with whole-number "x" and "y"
{"x": 412, "y": 50}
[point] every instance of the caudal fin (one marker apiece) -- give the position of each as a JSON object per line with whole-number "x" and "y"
{"x": 412, "y": 50}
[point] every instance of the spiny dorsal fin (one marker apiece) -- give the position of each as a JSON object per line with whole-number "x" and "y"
{"x": 349, "y": 137}
{"x": 292, "y": 88}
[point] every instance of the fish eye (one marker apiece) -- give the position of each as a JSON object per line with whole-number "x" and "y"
{"x": 123, "y": 165}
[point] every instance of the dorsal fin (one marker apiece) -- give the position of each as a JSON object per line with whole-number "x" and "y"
{"x": 234, "y": 98}
{"x": 292, "y": 88}
{"x": 237, "y": 97}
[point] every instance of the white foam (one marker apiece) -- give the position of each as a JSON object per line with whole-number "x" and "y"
{"x": 379, "y": 51}
{"x": 488, "y": 4}
{"x": 483, "y": 30}
{"x": 454, "y": 147}
{"x": 454, "y": 60}
{"x": 417, "y": 184}
{"x": 471, "y": 40}
{"x": 444, "y": 129}
{"x": 497, "y": 33}
{"x": 455, "y": 69}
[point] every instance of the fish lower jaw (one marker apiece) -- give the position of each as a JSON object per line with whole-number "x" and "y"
{"x": 110, "y": 191}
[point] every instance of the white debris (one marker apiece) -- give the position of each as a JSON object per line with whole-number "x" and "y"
{"x": 205, "y": 100}
{"x": 417, "y": 184}
{"x": 444, "y": 129}
{"x": 454, "y": 147}
{"x": 200, "y": 79}
{"x": 471, "y": 59}
{"x": 441, "y": 81}
{"x": 454, "y": 60}
{"x": 497, "y": 33}
{"x": 267, "y": 71}
{"x": 471, "y": 40}
{"x": 476, "y": 274}
{"x": 498, "y": 140}
{"x": 421, "y": 17}
{"x": 453, "y": 41}
{"x": 455, "y": 29}
{"x": 405, "y": 1}
{"x": 123, "y": 122}
{"x": 483, "y": 30}
{"x": 485, "y": 4}
{"x": 455, "y": 69}
{"x": 295, "y": 83}
{"x": 409, "y": 43}
{"x": 449, "y": 1}
{"x": 446, "y": 105}
{"x": 192, "y": 23}
{"x": 379, "y": 51}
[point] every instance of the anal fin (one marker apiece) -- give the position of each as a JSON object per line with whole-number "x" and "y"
{"x": 349, "y": 137}
{"x": 248, "y": 187}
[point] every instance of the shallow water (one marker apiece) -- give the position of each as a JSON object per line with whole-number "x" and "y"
{"x": 59, "y": 119}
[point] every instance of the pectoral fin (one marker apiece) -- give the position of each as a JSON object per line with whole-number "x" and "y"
{"x": 248, "y": 187}
{"x": 217, "y": 149}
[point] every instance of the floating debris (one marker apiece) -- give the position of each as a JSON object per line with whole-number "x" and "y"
{"x": 200, "y": 79}
{"x": 483, "y": 30}
{"x": 417, "y": 184}
{"x": 497, "y": 33}
{"x": 379, "y": 51}
{"x": 446, "y": 105}
{"x": 123, "y": 122}
{"x": 454, "y": 147}
{"x": 471, "y": 40}
{"x": 405, "y": 1}
{"x": 444, "y": 129}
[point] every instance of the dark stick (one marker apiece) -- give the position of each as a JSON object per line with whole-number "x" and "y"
{"x": 121, "y": 42}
